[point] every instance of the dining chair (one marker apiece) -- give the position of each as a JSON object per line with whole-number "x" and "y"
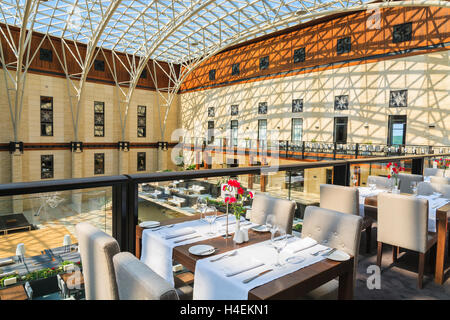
{"x": 346, "y": 200}
{"x": 434, "y": 172}
{"x": 283, "y": 209}
{"x": 336, "y": 230}
{"x": 97, "y": 250}
{"x": 426, "y": 188}
{"x": 136, "y": 281}
{"x": 440, "y": 180}
{"x": 381, "y": 182}
{"x": 406, "y": 180}
{"x": 403, "y": 223}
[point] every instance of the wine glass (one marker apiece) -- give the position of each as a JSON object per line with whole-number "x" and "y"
{"x": 201, "y": 206}
{"x": 279, "y": 243}
{"x": 270, "y": 224}
{"x": 372, "y": 186}
{"x": 210, "y": 217}
{"x": 414, "y": 187}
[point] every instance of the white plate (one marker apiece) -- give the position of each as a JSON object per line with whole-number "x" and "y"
{"x": 261, "y": 229}
{"x": 338, "y": 256}
{"x": 149, "y": 224}
{"x": 202, "y": 250}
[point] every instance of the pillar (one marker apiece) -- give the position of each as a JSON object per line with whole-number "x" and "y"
{"x": 16, "y": 176}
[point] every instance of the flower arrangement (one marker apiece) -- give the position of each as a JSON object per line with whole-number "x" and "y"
{"x": 395, "y": 169}
{"x": 236, "y": 203}
{"x": 442, "y": 163}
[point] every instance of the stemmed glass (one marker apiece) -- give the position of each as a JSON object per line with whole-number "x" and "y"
{"x": 414, "y": 187}
{"x": 201, "y": 206}
{"x": 279, "y": 244}
{"x": 270, "y": 224}
{"x": 210, "y": 217}
{"x": 372, "y": 186}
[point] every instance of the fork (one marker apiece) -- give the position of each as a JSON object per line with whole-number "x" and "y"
{"x": 159, "y": 228}
{"x": 317, "y": 252}
{"x": 224, "y": 256}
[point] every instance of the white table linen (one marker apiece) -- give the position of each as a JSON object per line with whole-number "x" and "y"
{"x": 434, "y": 203}
{"x": 365, "y": 192}
{"x": 212, "y": 283}
{"x": 157, "y": 249}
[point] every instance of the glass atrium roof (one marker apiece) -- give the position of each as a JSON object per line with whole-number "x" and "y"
{"x": 172, "y": 31}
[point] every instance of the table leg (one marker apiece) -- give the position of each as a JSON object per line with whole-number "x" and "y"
{"x": 346, "y": 284}
{"x": 442, "y": 223}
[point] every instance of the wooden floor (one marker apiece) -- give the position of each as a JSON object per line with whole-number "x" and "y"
{"x": 35, "y": 241}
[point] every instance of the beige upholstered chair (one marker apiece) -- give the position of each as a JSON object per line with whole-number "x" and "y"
{"x": 406, "y": 180}
{"x": 136, "y": 281}
{"x": 434, "y": 172}
{"x": 403, "y": 222}
{"x": 346, "y": 200}
{"x": 381, "y": 182}
{"x": 97, "y": 250}
{"x": 333, "y": 229}
{"x": 426, "y": 188}
{"x": 440, "y": 180}
{"x": 264, "y": 205}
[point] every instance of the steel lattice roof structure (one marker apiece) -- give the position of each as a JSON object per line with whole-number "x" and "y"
{"x": 177, "y": 32}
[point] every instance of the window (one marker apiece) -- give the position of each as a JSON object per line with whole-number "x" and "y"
{"x": 343, "y": 45}
{"x": 234, "y": 110}
{"x": 99, "y": 119}
{"x": 45, "y": 55}
{"x": 47, "y": 166}
{"x": 210, "y": 132}
{"x": 141, "y": 121}
{"x": 99, "y": 65}
{"x": 141, "y": 161}
{"x": 262, "y": 108}
{"x": 297, "y": 105}
{"x": 262, "y": 129}
{"x": 299, "y": 55}
{"x": 297, "y": 129}
{"x": 398, "y": 98}
{"x": 402, "y": 32}
{"x": 397, "y": 130}
{"x": 46, "y": 116}
{"x": 340, "y": 130}
{"x": 212, "y": 74}
{"x": 211, "y": 112}
{"x": 235, "y": 69}
{"x": 234, "y": 132}
{"x": 99, "y": 163}
{"x": 341, "y": 102}
{"x": 264, "y": 63}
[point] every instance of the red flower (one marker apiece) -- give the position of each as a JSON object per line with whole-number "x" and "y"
{"x": 389, "y": 176}
{"x": 240, "y": 191}
{"x": 227, "y": 199}
{"x": 232, "y": 199}
{"x": 396, "y": 164}
{"x": 250, "y": 194}
{"x": 234, "y": 183}
{"x": 53, "y": 268}
{"x": 389, "y": 164}
{"x": 395, "y": 170}
{"x": 224, "y": 186}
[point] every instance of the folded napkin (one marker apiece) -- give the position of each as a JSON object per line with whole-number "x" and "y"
{"x": 300, "y": 245}
{"x": 178, "y": 233}
{"x": 236, "y": 265}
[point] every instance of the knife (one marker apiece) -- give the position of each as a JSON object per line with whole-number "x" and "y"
{"x": 258, "y": 275}
{"x": 181, "y": 240}
{"x": 329, "y": 252}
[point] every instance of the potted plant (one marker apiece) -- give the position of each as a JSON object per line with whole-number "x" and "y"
{"x": 8, "y": 280}
{"x": 236, "y": 200}
{"x": 442, "y": 164}
{"x": 394, "y": 169}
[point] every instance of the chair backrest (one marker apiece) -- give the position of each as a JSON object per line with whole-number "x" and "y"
{"x": 381, "y": 182}
{"x": 334, "y": 229}
{"x": 339, "y": 198}
{"x": 403, "y": 221}
{"x": 440, "y": 180}
{"x": 28, "y": 290}
{"x": 283, "y": 209}
{"x": 426, "y": 188}
{"x": 436, "y": 172}
{"x": 406, "y": 179}
{"x": 136, "y": 281}
{"x": 97, "y": 250}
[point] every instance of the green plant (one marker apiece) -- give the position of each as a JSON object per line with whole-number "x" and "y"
{"x": 2, "y": 280}
{"x": 313, "y": 140}
{"x": 215, "y": 202}
{"x": 191, "y": 167}
{"x": 298, "y": 227}
{"x": 167, "y": 170}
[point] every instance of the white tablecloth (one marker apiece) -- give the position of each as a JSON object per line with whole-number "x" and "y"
{"x": 157, "y": 250}
{"x": 434, "y": 203}
{"x": 365, "y": 192}
{"x": 211, "y": 283}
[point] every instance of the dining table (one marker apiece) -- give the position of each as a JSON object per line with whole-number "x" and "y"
{"x": 442, "y": 218}
{"x": 289, "y": 286}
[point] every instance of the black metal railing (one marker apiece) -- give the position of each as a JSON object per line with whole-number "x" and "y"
{"x": 125, "y": 187}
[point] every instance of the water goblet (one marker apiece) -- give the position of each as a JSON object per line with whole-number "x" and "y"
{"x": 201, "y": 206}
{"x": 210, "y": 217}
{"x": 414, "y": 187}
{"x": 279, "y": 244}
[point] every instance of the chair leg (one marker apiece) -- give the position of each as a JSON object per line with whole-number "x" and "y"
{"x": 379, "y": 253}
{"x": 368, "y": 238}
{"x": 421, "y": 269}
{"x": 394, "y": 253}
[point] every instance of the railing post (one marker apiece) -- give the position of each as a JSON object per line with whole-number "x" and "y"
{"x": 357, "y": 151}
{"x": 303, "y": 150}
{"x": 119, "y": 214}
{"x": 334, "y": 151}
